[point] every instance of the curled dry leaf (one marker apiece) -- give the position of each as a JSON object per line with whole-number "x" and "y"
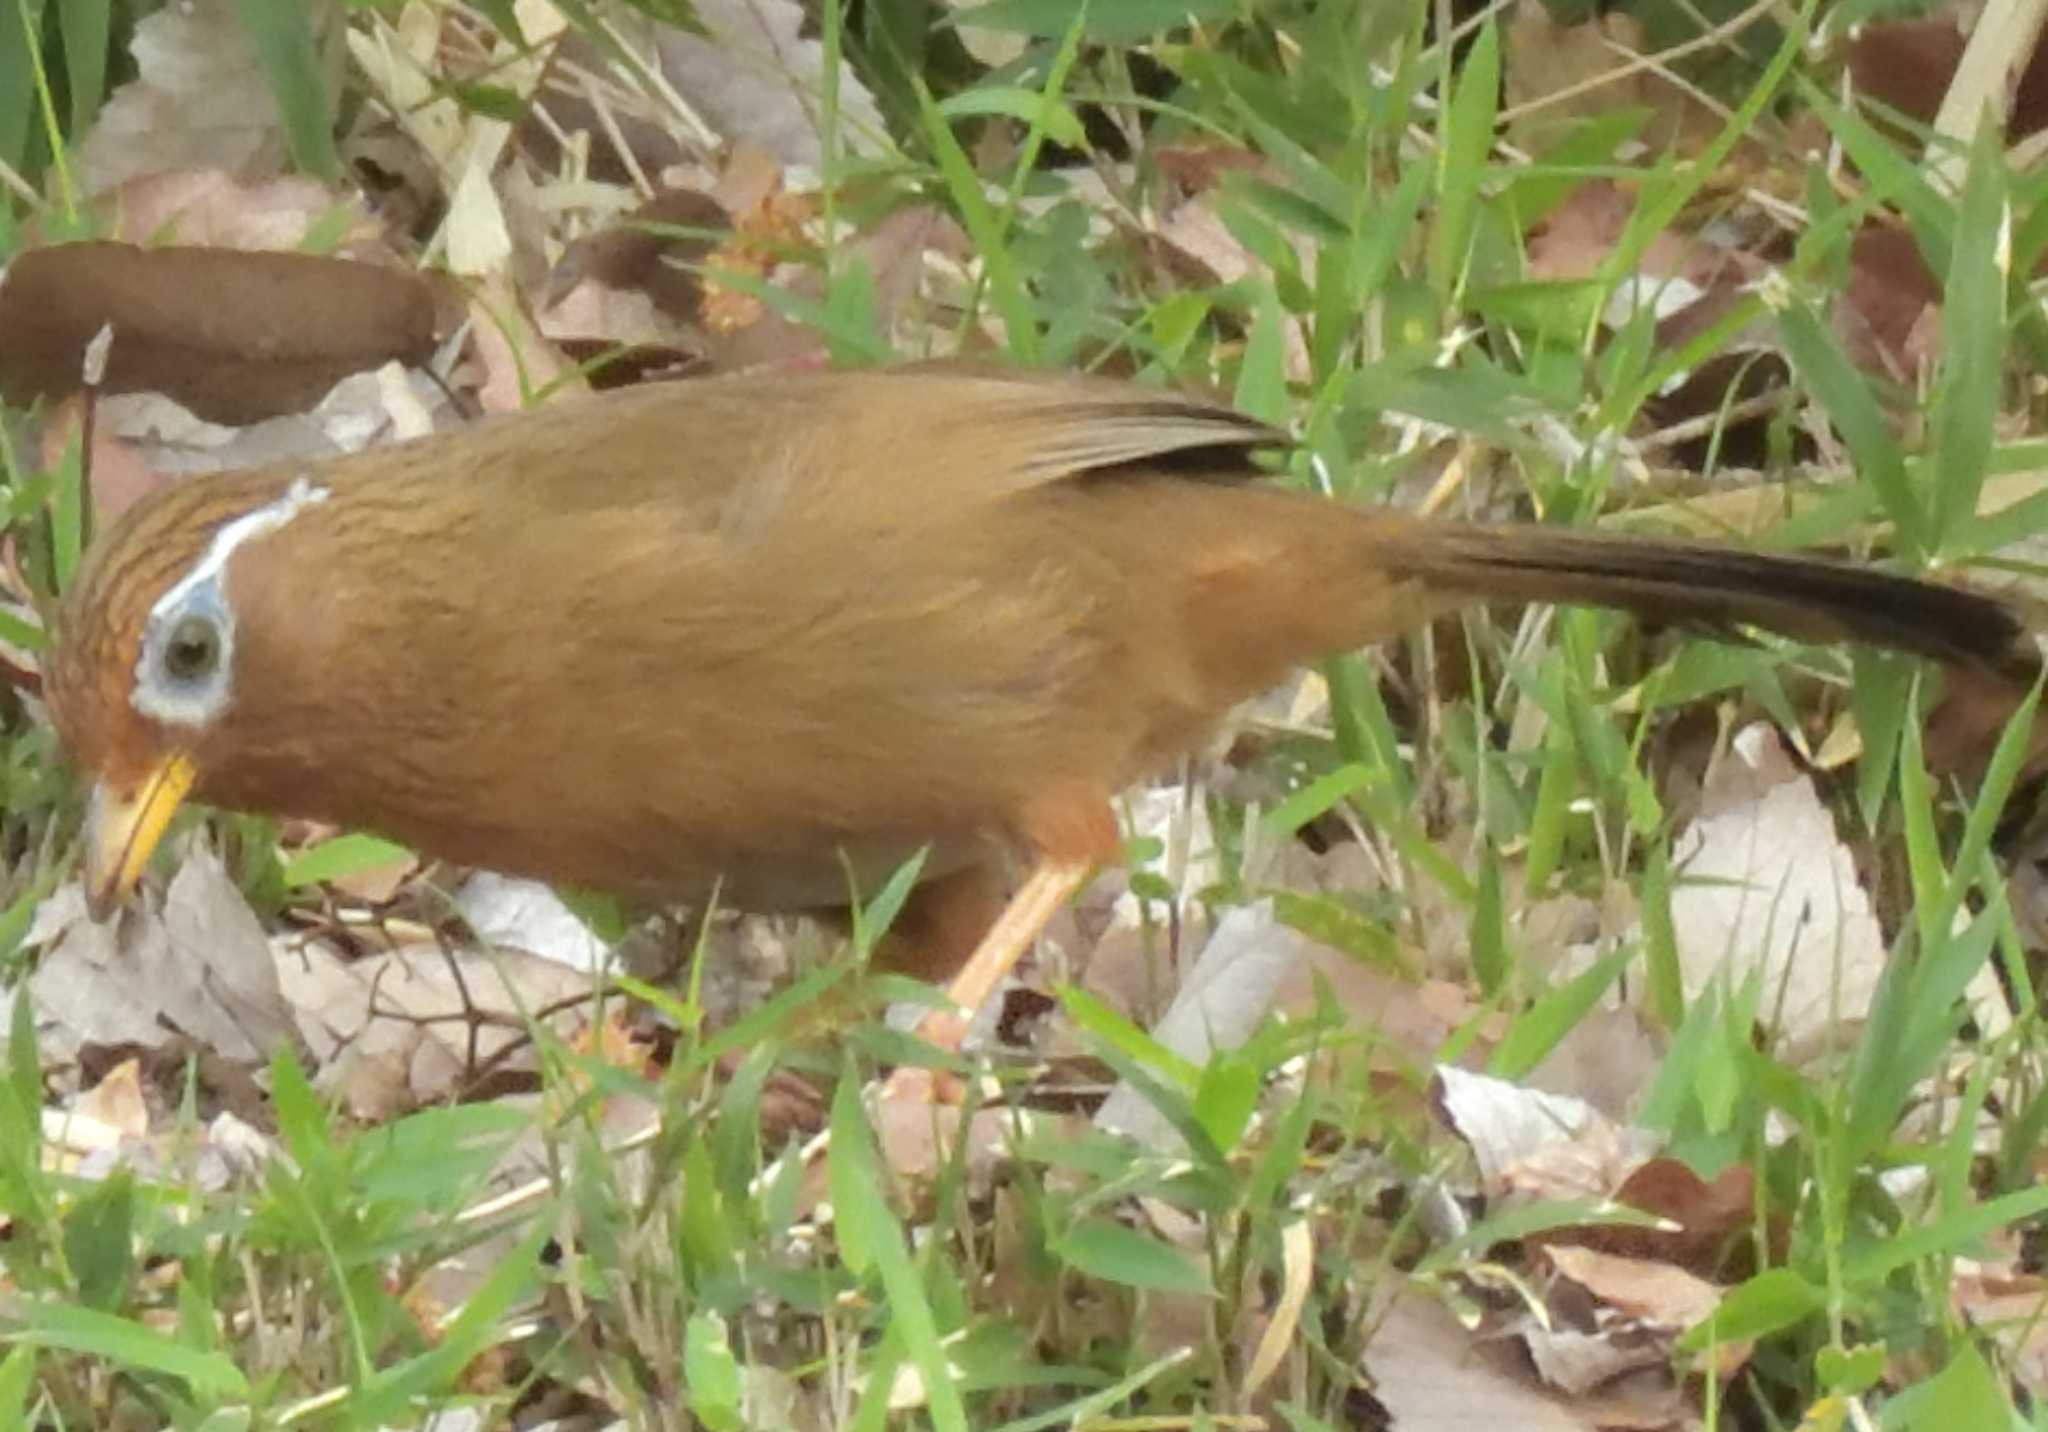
{"x": 117, "y": 1101}
{"x": 1534, "y": 1144}
{"x": 233, "y": 335}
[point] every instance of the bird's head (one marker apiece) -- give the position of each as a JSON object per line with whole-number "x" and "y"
{"x": 143, "y": 672}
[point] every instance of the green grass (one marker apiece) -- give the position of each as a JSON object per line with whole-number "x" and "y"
{"x": 715, "y": 1271}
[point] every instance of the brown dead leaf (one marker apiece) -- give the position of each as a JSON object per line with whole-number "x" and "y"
{"x": 1907, "y": 65}
{"x": 1904, "y": 65}
{"x": 1197, "y": 166}
{"x": 1710, "y": 1219}
{"x": 1885, "y": 314}
{"x": 919, "y": 1137}
{"x": 233, "y": 335}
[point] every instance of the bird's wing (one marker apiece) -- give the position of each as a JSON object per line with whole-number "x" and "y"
{"x": 1012, "y": 431}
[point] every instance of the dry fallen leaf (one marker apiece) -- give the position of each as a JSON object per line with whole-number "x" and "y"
{"x": 1765, "y": 885}
{"x": 1222, "y": 1000}
{"x": 1432, "y": 1376}
{"x": 117, "y": 1101}
{"x": 1537, "y": 1145}
{"x": 1556, "y": 74}
{"x": 755, "y": 77}
{"x": 236, "y": 335}
{"x": 197, "y": 967}
{"x": 201, "y": 99}
{"x": 409, "y": 1027}
{"x": 527, "y": 915}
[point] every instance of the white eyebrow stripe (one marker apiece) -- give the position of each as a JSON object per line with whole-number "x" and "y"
{"x": 265, "y": 519}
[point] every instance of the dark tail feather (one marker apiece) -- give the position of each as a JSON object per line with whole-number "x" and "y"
{"x": 1810, "y": 598}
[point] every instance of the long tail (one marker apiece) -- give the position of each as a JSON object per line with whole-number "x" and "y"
{"x": 1811, "y": 598}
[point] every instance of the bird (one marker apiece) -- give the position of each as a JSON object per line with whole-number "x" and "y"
{"x": 773, "y": 635}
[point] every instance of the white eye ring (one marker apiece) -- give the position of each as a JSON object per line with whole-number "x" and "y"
{"x": 188, "y": 642}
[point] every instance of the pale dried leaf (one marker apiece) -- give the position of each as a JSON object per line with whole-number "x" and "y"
{"x": 386, "y": 404}
{"x": 1196, "y": 233}
{"x": 71, "y": 1137}
{"x": 1223, "y": 999}
{"x": 918, "y": 1138}
{"x": 1765, "y": 885}
{"x": 1558, "y": 74}
{"x": 1576, "y": 1362}
{"x": 200, "y": 100}
{"x": 1433, "y": 1376}
{"x": 1176, "y": 817}
{"x": 215, "y": 208}
{"x": 1609, "y": 1058}
{"x": 199, "y": 967}
{"x": 1652, "y": 1293}
{"x": 1542, "y": 1145}
{"x": 516, "y": 358}
{"x": 117, "y": 1101}
{"x": 2011, "y": 1309}
{"x": 404, "y": 1028}
{"x": 527, "y": 915}
{"x": 755, "y": 78}
{"x": 993, "y": 48}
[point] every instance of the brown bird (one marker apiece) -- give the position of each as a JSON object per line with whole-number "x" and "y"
{"x": 766, "y": 630}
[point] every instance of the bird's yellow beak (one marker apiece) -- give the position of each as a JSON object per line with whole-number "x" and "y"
{"x": 122, "y": 828}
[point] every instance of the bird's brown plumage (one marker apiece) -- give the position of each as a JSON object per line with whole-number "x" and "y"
{"x": 738, "y": 629}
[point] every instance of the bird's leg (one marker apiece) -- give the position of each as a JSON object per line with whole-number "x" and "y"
{"x": 1037, "y": 900}
{"x": 1072, "y": 834}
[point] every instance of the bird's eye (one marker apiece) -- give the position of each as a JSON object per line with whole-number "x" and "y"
{"x": 193, "y": 649}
